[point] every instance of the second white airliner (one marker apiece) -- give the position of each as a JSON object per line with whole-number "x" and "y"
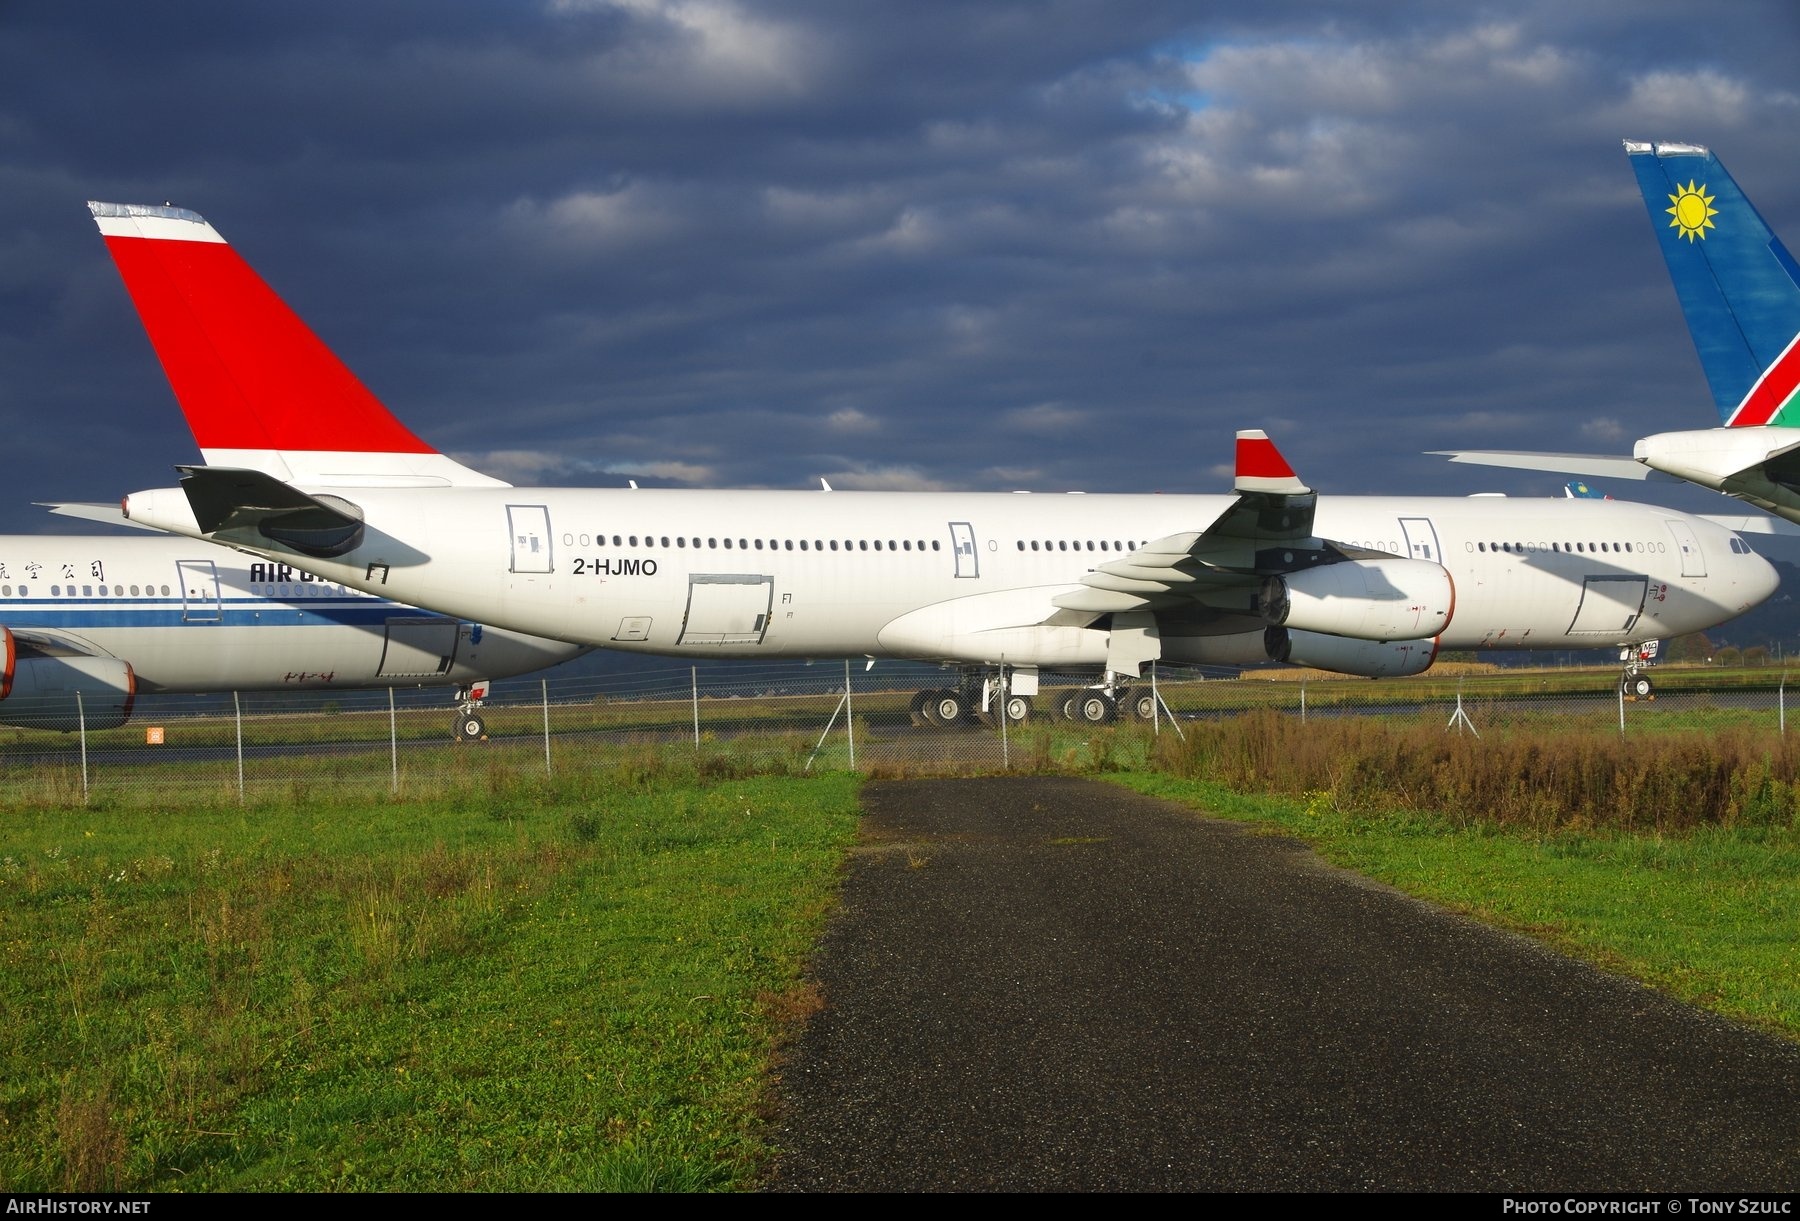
{"x": 306, "y": 466}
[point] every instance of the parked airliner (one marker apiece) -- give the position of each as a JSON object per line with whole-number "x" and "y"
{"x": 1739, "y": 290}
{"x": 90, "y": 622}
{"x": 306, "y": 467}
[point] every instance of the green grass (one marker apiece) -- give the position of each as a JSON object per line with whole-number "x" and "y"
{"x": 500, "y": 981}
{"x": 1710, "y": 915}
{"x": 574, "y": 986}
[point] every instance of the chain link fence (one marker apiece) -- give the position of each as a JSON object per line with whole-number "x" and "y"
{"x": 793, "y": 717}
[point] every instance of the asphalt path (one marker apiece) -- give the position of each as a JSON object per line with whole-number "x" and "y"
{"x": 1045, "y": 984}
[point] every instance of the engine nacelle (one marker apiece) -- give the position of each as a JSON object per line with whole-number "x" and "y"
{"x": 1234, "y": 649}
{"x": 1340, "y": 655}
{"x": 65, "y": 692}
{"x": 1393, "y": 599}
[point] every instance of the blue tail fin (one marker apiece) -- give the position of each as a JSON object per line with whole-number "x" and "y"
{"x": 1739, "y": 287}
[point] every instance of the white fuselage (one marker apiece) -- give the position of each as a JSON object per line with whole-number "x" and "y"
{"x": 189, "y": 616}
{"x": 971, "y": 577}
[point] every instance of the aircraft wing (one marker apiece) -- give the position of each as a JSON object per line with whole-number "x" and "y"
{"x": 1266, "y": 531}
{"x": 1753, "y": 523}
{"x": 1599, "y": 466}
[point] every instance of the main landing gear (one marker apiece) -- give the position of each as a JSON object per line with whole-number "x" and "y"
{"x": 470, "y": 725}
{"x": 969, "y": 704}
{"x": 979, "y": 698}
{"x": 1098, "y": 706}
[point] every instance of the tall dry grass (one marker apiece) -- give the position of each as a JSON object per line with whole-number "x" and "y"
{"x": 1564, "y": 780}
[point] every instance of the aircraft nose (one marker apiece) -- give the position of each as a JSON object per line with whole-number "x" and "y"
{"x": 1761, "y": 580}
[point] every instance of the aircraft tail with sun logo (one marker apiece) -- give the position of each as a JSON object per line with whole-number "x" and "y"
{"x": 1739, "y": 287}
{"x": 1740, "y": 293}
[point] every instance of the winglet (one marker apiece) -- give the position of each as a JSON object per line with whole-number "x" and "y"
{"x": 1261, "y": 468}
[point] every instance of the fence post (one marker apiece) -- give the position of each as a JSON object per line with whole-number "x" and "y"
{"x": 694, "y": 680}
{"x": 1155, "y": 705}
{"x": 1781, "y": 702}
{"x": 1004, "y": 697}
{"x": 393, "y": 746}
{"x": 849, "y": 714}
{"x": 1621, "y": 708}
{"x": 81, "y": 724}
{"x": 237, "y": 713}
{"x": 1303, "y": 701}
{"x": 545, "y": 683}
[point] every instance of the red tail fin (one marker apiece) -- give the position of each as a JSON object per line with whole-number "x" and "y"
{"x": 258, "y": 388}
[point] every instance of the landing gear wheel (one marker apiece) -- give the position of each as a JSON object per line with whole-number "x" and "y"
{"x": 947, "y": 708}
{"x": 1018, "y": 709}
{"x": 1639, "y": 687}
{"x": 470, "y": 727}
{"x": 1142, "y": 705}
{"x": 1066, "y": 706}
{"x": 916, "y": 709}
{"x": 1096, "y": 708}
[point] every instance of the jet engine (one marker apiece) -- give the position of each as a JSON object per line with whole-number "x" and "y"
{"x": 1368, "y": 658}
{"x": 1392, "y": 599}
{"x": 63, "y": 692}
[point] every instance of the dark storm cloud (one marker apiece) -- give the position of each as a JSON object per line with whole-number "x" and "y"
{"x": 1048, "y": 246}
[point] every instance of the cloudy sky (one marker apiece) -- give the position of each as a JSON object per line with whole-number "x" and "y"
{"x": 721, "y": 243}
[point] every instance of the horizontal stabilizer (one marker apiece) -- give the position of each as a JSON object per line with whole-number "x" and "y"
{"x": 228, "y": 500}
{"x": 1599, "y": 466}
{"x": 110, "y": 514}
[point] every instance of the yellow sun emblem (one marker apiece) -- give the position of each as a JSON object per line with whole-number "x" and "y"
{"x": 1693, "y": 211}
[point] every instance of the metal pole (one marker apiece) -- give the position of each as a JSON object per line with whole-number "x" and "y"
{"x": 393, "y": 745}
{"x": 827, "y": 731}
{"x": 1303, "y": 701}
{"x": 237, "y": 712}
{"x": 849, "y": 714}
{"x": 1005, "y": 694}
{"x": 694, "y": 679}
{"x": 1155, "y": 705}
{"x": 546, "y": 686}
{"x": 81, "y": 723}
{"x": 1781, "y": 702}
{"x": 1621, "y": 708}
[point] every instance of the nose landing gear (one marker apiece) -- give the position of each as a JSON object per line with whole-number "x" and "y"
{"x": 1634, "y": 681}
{"x": 470, "y": 725}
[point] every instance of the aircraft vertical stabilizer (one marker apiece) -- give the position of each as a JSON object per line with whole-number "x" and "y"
{"x": 259, "y": 389}
{"x": 1738, "y": 285}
